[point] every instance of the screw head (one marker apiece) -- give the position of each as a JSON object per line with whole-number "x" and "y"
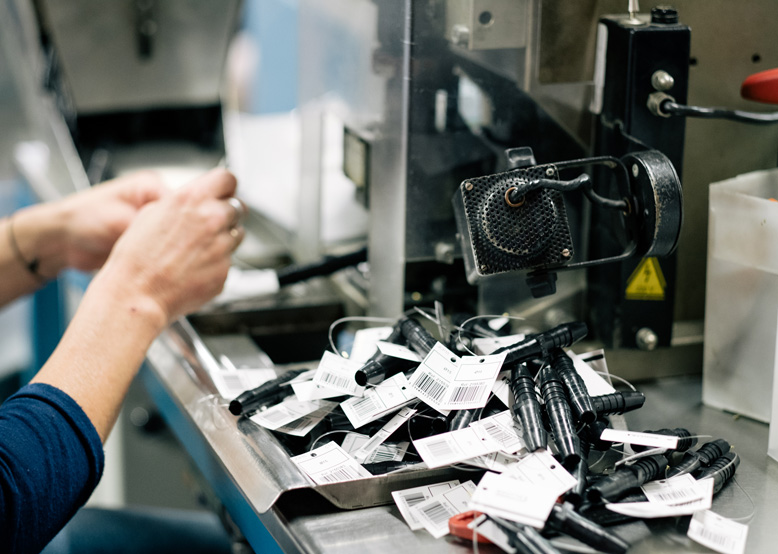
{"x": 566, "y": 253}
{"x": 484, "y": 267}
{"x": 635, "y": 170}
{"x": 550, "y": 171}
{"x": 468, "y": 186}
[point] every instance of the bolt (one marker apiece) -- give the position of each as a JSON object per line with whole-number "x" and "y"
{"x": 646, "y": 339}
{"x": 662, "y": 80}
{"x": 468, "y": 186}
{"x": 550, "y": 171}
{"x": 484, "y": 267}
{"x": 460, "y": 35}
{"x": 635, "y": 170}
{"x": 566, "y": 253}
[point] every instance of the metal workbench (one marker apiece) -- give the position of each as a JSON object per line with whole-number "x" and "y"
{"x": 236, "y": 458}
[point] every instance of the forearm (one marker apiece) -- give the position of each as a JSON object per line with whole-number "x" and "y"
{"x": 32, "y": 235}
{"x": 103, "y": 348}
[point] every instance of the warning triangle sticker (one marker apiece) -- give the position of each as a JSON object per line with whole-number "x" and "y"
{"x": 646, "y": 282}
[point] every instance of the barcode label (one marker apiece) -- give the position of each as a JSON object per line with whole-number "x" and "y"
{"x": 339, "y": 474}
{"x": 334, "y": 380}
{"x": 291, "y": 410}
{"x": 440, "y": 448}
{"x": 500, "y": 428}
{"x": 462, "y": 395}
{"x": 430, "y": 387}
{"x": 498, "y": 434}
{"x": 275, "y": 417}
{"x": 337, "y": 373}
{"x": 414, "y": 498}
{"x": 718, "y": 533}
{"x": 407, "y": 499}
{"x": 329, "y": 463}
{"x": 436, "y": 512}
{"x": 364, "y": 406}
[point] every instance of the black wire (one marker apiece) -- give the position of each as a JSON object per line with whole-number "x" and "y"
{"x": 671, "y": 108}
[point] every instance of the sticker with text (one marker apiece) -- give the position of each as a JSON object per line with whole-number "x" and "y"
{"x": 391, "y": 394}
{"x": 408, "y": 498}
{"x": 435, "y": 512}
{"x": 329, "y": 463}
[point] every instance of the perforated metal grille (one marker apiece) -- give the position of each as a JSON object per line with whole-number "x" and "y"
{"x": 531, "y": 235}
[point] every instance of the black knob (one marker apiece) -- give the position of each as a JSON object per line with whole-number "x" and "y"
{"x": 666, "y": 15}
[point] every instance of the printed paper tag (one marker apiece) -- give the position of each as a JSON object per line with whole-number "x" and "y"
{"x": 587, "y": 365}
{"x": 487, "y": 345}
{"x": 489, "y": 529}
{"x": 447, "y": 382}
{"x": 330, "y": 464}
{"x": 383, "y": 433}
{"x": 337, "y": 373}
{"x": 398, "y": 351}
{"x": 542, "y": 470}
{"x": 435, "y": 512}
{"x": 500, "y": 427}
{"x": 457, "y": 446}
{"x": 678, "y": 490}
{"x": 304, "y": 425}
{"x": 645, "y": 439}
{"x": 503, "y": 496}
{"x": 234, "y": 382}
{"x": 288, "y": 411}
{"x": 308, "y": 390}
{"x": 387, "y": 452}
{"x": 409, "y": 498}
{"x": 366, "y": 343}
{"x": 497, "y": 462}
{"x": 718, "y": 533}
{"x": 390, "y": 395}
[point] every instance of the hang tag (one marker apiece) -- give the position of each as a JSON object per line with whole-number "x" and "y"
{"x": 377, "y": 401}
{"x": 502, "y": 496}
{"x": 304, "y": 376}
{"x": 447, "y": 382}
{"x": 540, "y": 469}
{"x": 502, "y": 388}
{"x": 234, "y": 382}
{"x": 654, "y": 510}
{"x": 435, "y": 512}
{"x": 457, "y": 446}
{"x": 645, "y": 439}
{"x": 408, "y": 498}
{"x": 679, "y": 490}
{"x": 718, "y": 533}
{"x": 387, "y": 452}
{"x": 304, "y": 425}
{"x": 497, "y": 462}
{"x": 308, "y": 390}
{"x": 501, "y": 428}
{"x": 366, "y": 343}
{"x": 587, "y": 365}
{"x": 288, "y": 411}
{"x": 383, "y": 433}
{"x": 337, "y": 373}
{"x": 486, "y": 345}
{"x": 398, "y": 351}
{"x": 330, "y": 464}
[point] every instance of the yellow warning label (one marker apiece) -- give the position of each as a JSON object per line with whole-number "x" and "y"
{"x": 646, "y": 282}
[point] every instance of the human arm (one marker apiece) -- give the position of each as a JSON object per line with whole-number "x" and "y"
{"x": 77, "y": 231}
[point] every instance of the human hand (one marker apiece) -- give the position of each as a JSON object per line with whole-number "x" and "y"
{"x": 175, "y": 254}
{"x": 94, "y": 219}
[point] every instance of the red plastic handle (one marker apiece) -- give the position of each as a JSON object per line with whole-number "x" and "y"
{"x": 457, "y": 526}
{"x": 761, "y": 87}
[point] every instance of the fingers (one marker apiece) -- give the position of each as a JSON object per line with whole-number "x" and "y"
{"x": 218, "y": 183}
{"x": 237, "y": 234}
{"x": 240, "y": 210}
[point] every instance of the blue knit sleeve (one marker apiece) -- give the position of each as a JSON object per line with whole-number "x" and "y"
{"x": 51, "y": 459}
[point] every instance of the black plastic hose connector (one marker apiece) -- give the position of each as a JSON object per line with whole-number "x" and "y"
{"x": 618, "y": 402}
{"x": 526, "y": 408}
{"x": 580, "y": 400}
{"x": 626, "y": 478}
{"x": 561, "y": 418}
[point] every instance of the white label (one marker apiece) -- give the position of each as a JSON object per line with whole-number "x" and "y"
{"x": 447, "y": 382}
{"x": 308, "y": 390}
{"x": 398, "y": 351}
{"x": 595, "y": 384}
{"x": 383, "y": 433}
{"x": 645, "y": 439}
{"x": 337, "y": 373}
{"x": 497, "y": 462}
{"x": 681, "y": 489}
{"x": 487, "y": 345}
{"x": 288, "y": 411}
{"x": 387, "y": 452}
{"x": 304, "y": 425}
{"x": 457, "y": 446}
{"x": 234, "y": 382}
{"x": 408, "y": 498}
{"x": 542, "y": 470}
{"x": 390, "y": 395}
{"x": 490, "y": 530}
{"x": 503, "y": 496}
{"x": 435, "y": 512}
{"x": 502, "y": 388}
{"x": 304, "y": 376}
{"x": 718, "y": 533}
{"x": 366, "y": 343}
{"x": 330, "y": 464}
{"x": 501, "y": 428}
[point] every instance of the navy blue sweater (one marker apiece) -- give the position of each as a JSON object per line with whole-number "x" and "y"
{"x": 51, "y": 459}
